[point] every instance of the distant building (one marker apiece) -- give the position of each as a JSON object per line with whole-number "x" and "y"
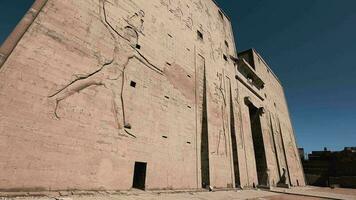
{"x": 301, "y": 153}
{"x": 350, "y": 149}
{"x": 328, "y": 168}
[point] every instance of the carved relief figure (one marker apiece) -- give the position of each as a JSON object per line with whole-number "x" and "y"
{"x": 177, "y": 11}
{"x": 111, "y": 75}
{"x": 136, "y": 21}
{"x": 180, "y": 11}
{"x": 215, "y": 48}
{"x": 199, "y": 6}
{"x": 166, "y": 3}
{"x": 189, "y": 22}
{"x": 220, "y": 92}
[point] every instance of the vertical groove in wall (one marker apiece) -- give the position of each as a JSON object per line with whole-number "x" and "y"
{"x": 294, "y": 137}
{"x": 204, "y": 130}
{"x": 275, "y": 147}
{"x": 229, "y": 121}
{"x": 284, "y": 152}
{"x": 197, "y": 124}
{"x": 242, "y": 135}
{"x": 234, "y": 140}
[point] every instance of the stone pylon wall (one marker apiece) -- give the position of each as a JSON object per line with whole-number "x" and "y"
{"x": 94, "y": 86}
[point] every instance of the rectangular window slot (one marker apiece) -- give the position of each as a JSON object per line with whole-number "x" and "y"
{"x": 169, "y": 64}
{"x": 133, "y": 84}
{"x": 138, "y": 46}
{"x": 170, "y": 35}
{"x": 167, "y": 97}
{"x": 225, "y": 57}
{"x": 164, "y": 136}
{"x": 189, "y": 106}
{"x": 200, "y": 35}
{"x": 189, "y": 76}
{"x": 188, "y": 143}
{"x": 226, "y": 44}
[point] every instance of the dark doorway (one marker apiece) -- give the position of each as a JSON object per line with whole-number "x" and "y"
{"x": 139, "y": 179}
{"x": 258, "y": 145}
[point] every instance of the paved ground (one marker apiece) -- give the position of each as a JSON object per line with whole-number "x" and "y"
{"x": 310, "y": 193}
{"x": 336, "y": 190}
{"x": 220, "y": 195}
{"x": 326, "y": 193}
{"x": 287, "y": 197}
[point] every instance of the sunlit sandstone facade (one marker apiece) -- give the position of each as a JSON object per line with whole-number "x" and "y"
{"x": 110, "y": 95}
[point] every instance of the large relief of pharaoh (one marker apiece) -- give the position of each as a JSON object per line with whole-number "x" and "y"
{"x": 111, "y": 74}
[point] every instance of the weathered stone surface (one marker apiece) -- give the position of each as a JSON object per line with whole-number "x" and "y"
{"x": 94, "y": 86}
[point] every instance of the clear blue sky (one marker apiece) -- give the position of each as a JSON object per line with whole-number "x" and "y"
{"x": 309, "y": 44}
{"x": 11, "y": 12}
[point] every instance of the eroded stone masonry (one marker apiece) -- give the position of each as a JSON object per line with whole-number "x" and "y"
{"x": 150, "y": 94}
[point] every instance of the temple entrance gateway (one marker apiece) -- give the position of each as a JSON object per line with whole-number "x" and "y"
{"x": 258, "y": 145}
